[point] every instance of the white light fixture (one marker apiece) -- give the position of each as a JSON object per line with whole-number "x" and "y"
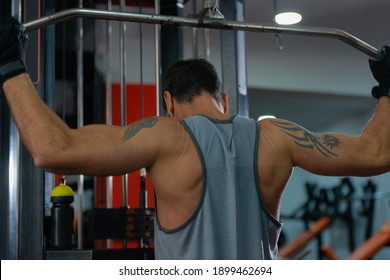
{"x": 288, "y": 18}
{"x": 265, "y": 117}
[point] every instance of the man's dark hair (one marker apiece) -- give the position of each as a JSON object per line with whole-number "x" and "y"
{"x": 186, "y": 79}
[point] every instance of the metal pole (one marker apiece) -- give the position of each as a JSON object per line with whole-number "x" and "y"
{"x": 14, "y": 174}
{"x": 141, "y": 77}
{"x": 233, "y": 60}
{"x": 194, "y": 33}
{"x": 122, "y": 57}
{"x": 109, "y": 181}
{"x": 80, "y": 123}
{"x": 143, "y": 196}
{"x": 172, "y": 37}
{"x": 205, "y": 23}
{"x": 206, "y": 43}
{"x": 206, "y": 35}
{"x": 13, "y": 195}
{"x": 157, "y": 48}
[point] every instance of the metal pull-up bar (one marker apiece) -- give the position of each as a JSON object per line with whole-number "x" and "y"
{"x": 202, "y": 23}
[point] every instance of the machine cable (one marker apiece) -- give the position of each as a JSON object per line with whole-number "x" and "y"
{"x": 123, "y": 100}
{"x": 80, "y": 123}
{"x": 109, "y": 180}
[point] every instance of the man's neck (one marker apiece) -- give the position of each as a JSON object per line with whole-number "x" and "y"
{"x": 202, "y": 105}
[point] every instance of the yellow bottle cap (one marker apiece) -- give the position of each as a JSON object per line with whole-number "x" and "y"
{"x": 62, "y": 190}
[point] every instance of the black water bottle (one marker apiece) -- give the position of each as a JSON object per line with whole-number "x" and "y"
{"x": 62, "y": 215}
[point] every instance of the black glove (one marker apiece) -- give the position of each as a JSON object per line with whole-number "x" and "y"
{"x": 13, "y": 41}
{"x": 380, "y": 68}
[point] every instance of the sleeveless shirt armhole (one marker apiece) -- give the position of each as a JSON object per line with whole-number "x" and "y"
{"x": 204, "y": 179}
{"x": 255, "y": 166}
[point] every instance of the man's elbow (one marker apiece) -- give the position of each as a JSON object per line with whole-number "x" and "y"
{"x": 384, "y": 162}
{"x": 42, "y": 160}
{"x": 47, "y": 159}
{"x": 374, "y": 152}
{"x": 380, "y": 159}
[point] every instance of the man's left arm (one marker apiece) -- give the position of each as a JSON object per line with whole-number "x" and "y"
{"x": 92, "y": 149}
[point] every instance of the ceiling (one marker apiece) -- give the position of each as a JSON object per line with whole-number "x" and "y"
{"x": 313, "y": 80}
{"x": 366, "y": 19}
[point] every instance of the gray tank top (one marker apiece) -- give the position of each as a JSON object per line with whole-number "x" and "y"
{"x": 230, "y": 221}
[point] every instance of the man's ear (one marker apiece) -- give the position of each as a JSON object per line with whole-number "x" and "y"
{"x": 225, "y": 103}
{"x": 168, "y": 98}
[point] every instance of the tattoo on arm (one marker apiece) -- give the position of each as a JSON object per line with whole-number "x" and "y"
{"x": 308, "y": 140}
{"x": 136, "y": 127}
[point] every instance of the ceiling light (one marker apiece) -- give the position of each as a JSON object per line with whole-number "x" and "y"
{"x": 288, "y": 18}
{"x": 265, "y": 117}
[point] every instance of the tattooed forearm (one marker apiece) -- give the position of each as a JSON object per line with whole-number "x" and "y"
{"x": 136, "y": 127}
{"x": 308, "y": 140}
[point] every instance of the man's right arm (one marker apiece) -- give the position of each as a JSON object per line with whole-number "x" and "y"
{"x": 336, "y": 154}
